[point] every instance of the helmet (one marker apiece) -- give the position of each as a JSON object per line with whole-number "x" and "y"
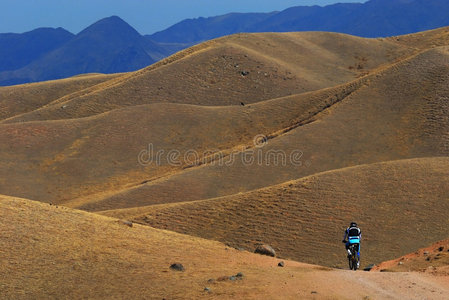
{"x": 353, "y": 224}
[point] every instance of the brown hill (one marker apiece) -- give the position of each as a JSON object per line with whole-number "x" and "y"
{"x": 295, "y": 134}
{"x": 20, "y": 99}
{"x": 61, "y": 160}
{"x": 244, "y": 68}
{"x": 424, "y": 40}
{"x": 64, "y": 253}
{"x": 399, "y": 112}
{"x": 400, "y": 206}
{"x": 364, "y": 121}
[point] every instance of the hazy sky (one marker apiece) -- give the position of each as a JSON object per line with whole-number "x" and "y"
{"x": 147, "y": 16}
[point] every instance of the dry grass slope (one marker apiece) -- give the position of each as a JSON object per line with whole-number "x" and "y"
{"x": 369, "y": 116}
{"x": 55, "y": 252}
{"x": 79, "y": 157}
{"x": 424, "y": 40}
{"x": 17, "y": 100}
{"x": 399, "y": 112}
{"x": 400, "y": 206}
{"x": 245, "y": 68}
{"x": 93, "y": 161}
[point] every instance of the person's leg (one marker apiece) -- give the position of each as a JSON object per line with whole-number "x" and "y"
{"x": 358, "y": 253}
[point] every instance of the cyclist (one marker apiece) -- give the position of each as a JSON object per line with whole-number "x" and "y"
{"x": 354, "y": 235}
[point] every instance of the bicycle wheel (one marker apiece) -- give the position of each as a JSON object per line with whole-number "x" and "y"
{"x": 355, "y": 260}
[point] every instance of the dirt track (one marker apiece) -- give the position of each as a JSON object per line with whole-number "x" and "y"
{"x": 342, "y": 284}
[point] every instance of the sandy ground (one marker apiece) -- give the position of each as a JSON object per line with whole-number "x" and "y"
{"x": 363, "y": 285}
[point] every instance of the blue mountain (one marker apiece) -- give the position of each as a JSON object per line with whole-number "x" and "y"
{"x": 375, "y": 18}
{"x": 18, "y": 50}
{"x": 108, "y": 46}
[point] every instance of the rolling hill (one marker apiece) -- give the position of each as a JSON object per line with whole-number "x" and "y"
{"x": 401, "y": 206}
{"x": 358, "y": 124}
{"x": 54, "y": 157}
{"x": 277, "y": 138}
{"x": 49, "y": 149}
{"x": 93, "y": 144}
{"x": 56, "y": 252}
{"x": 21, "y": 99}
{"x": 275, "y": 65}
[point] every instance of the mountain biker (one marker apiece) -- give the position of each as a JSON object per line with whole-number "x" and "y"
{"x": 354, "y": 235}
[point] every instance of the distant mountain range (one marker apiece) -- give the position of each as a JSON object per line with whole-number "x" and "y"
{"x": 111, "y": 45}
{"x": 108, "y": 46}
{"x": 375, "y": 18}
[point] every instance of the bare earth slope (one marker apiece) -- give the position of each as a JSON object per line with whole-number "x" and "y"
{"x": 400, "y": 206}
{"x": 64, "y": 253}
{"x": 433, "y": 259}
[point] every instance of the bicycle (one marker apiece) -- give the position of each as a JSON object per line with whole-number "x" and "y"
{"x": 353, "y": 257}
